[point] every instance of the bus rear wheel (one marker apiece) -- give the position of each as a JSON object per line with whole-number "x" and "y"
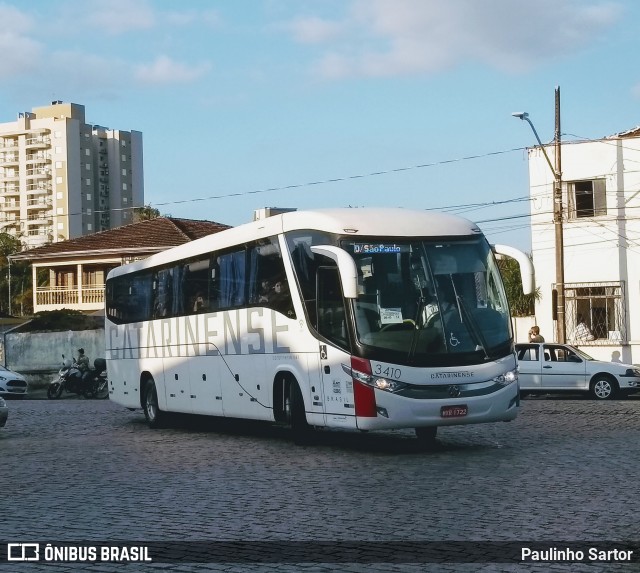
{"x": 152, "y": 412}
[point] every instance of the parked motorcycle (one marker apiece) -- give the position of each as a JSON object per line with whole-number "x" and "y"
{"x": 96, "y": 384}
{"x": 91, "y": 384}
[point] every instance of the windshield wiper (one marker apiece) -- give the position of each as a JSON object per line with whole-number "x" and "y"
{"x": 469, "y": 321}
{"x": 416, "y": 331}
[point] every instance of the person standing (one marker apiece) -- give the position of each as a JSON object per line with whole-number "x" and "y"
{"x": 534, "y": 334}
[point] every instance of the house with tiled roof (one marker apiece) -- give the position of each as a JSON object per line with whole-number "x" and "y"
{"x": 71, "y": 274}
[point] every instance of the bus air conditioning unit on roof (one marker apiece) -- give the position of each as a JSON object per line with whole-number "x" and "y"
{"x": 265, "y": 212}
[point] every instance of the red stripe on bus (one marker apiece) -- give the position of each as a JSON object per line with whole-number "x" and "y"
{"x": 365, "y": 399}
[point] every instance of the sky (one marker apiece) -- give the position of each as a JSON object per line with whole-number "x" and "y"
{"x": 331, "y": 103}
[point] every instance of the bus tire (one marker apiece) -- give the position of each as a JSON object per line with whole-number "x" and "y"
{"x": 427, "y": 435}
{"x": 294, "y": 407}
{"x": 152, "y": 412}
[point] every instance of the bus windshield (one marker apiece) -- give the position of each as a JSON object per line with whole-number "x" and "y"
{"x": 430, "y": 301}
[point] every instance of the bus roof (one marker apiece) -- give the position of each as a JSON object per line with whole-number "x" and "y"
{"x": 394, "y": 222}
{"x": 365, "y": 222}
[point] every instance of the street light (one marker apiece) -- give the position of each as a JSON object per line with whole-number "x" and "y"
{"x": 557, "y": 216}
{"x": 524, "y": 116}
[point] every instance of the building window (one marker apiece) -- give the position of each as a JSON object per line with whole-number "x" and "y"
{"x": 58, "y": 164}
{"x": 88, "y": 196}
{"x": 87, "y": 152}
{"x": 124, "y": 157}
{"x": 87, "y": 166}
{"x": 598, "y": 306}
{"x": 88, "y": 182}
{"x": 89, "y": 227}
{"x": 124, "y": 172}
{"x": 124, "y": 186}
{"x": 59, "y": 180}
{"x": 587, "y": 198}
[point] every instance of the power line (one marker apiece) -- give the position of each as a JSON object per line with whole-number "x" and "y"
{"x": 296, "y": 186}
{"x": 342, "y": 179}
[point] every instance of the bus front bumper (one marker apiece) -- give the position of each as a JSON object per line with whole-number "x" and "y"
{"x": 395, "y": 411}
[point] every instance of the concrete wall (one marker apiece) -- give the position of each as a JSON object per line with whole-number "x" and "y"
{"x": 38, "y": 355}
{"x": 521, "y": 327}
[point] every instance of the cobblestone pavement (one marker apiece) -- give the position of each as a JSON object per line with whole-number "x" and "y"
{"x": 566, "y": 470}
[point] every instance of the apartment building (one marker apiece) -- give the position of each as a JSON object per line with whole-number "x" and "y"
{"x": 62, "y": 178}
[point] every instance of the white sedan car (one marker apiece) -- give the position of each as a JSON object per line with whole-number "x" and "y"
{"x": 12, "y": 383}
{"x": 563, "y": 368}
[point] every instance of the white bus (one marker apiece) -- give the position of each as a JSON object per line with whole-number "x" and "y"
{"x": 343, "y": 318}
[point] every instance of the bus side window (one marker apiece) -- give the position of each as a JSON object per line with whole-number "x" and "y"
{"x": 332, "y": 323}
{"x": 214, "y": 284}
{"x": 268, "y": 285}
{"x": 305, "y": 263}
{"x": 162, "y": 284}
{"x": 194, "y": 296}
{"x": 232, "y": 281}
{"x": 139, "y": 298}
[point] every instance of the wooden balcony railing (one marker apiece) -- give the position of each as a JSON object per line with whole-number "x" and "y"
{"x": 65, "y": 296}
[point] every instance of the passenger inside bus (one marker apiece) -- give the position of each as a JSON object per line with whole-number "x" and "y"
{"x": 199, "y": 303}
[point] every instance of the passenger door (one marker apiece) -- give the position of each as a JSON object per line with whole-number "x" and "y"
{"x": 530, "y": 366}
{"x": 337, "y": 385}
{"x": 563, "y": 369}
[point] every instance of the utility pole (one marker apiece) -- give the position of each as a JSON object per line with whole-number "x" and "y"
{"x": 561, "y": 330}
{"x": 558, "y": 301}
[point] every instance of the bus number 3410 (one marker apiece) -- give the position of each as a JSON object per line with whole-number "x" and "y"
{"x": 389, "y": 372}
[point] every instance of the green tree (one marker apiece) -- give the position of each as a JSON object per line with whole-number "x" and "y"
{"x": 520, "y": 304}
{"x": 145, "y": 213}
{"x": 20, "y": 276}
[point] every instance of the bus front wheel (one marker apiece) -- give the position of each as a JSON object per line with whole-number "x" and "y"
{"x": 152, "y": 412}
{"x": 427, "y": 435}
{"x": 295, "y": 413}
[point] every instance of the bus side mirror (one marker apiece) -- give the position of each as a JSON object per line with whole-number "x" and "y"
{"x": 526, "y": 266}
{"x": 346, "y": 267}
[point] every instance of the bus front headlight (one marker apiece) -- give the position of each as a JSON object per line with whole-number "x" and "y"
{"x": 388, "y": 385}
{"x": 507, "y": 378}
{"x": 366, "y": 377}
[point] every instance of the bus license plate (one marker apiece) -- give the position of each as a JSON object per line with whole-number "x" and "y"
{"x": 453, "y": 411}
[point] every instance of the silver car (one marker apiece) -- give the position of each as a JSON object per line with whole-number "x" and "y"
{"x": 12, "y": 383}
{"x": 4, "y": 412}
{"x": 564, "y": 368}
